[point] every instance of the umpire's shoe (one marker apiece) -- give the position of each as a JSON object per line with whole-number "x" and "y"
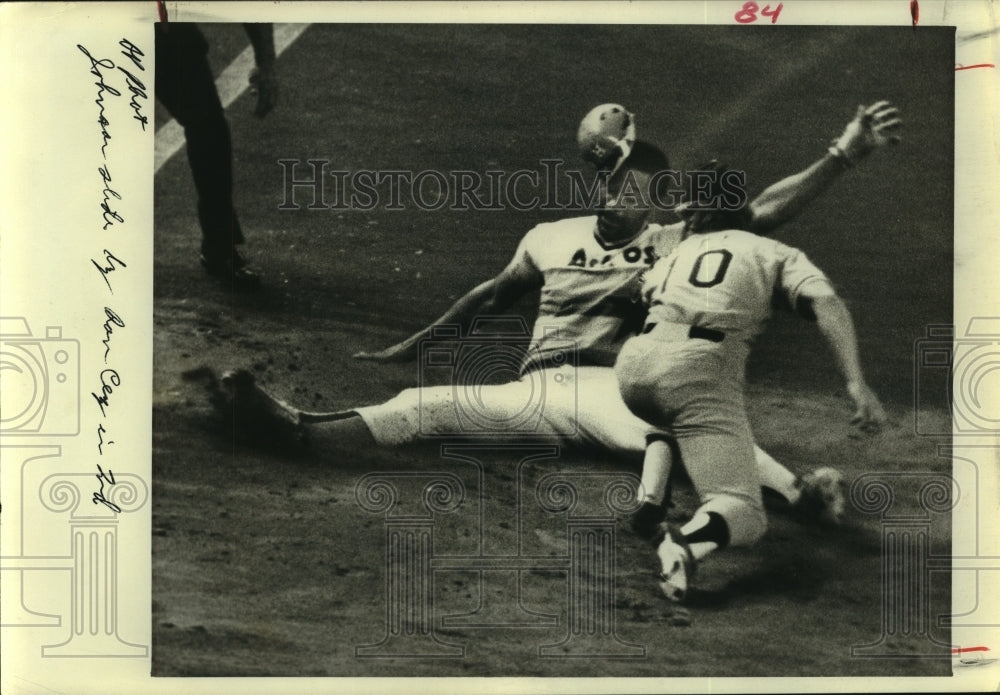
{"x": 232, "y": 270}
{"x": 677, "y": 565}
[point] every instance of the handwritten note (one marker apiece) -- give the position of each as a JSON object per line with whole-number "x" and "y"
{"x": 121, "y": 102}
{"x": 99, "y": 498}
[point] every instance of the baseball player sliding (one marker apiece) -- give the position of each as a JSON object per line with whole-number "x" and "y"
{"x": 708, "y": 300}
{"x": 587, "y": 270}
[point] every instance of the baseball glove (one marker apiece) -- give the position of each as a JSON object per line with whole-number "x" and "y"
{"x": 255, "y": 416}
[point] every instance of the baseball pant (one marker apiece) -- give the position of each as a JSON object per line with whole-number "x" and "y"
{"x": 580, "y": 405}
{"x": 694, "y": 387}
{"x": 186, "y": 88}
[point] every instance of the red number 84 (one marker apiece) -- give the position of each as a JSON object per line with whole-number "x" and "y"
{"x": 749, "y": 12}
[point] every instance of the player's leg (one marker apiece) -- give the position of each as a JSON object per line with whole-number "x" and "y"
{"x": 484, "y": 412}
{"x": 816, "y": 495}
{"x": 586, "y": 406}
{"x": 656, "y": 467}
{"x": 436, "y": 411}
{"x": 698, "y": 392}
{"x": 348, "y": 433}
{"x": 623, "y": 430}
{"x": 722, "y": 468}
{"x": 618, "y": 428}
{"x": 775, "y": 477}
{"x": 398, "y": 421}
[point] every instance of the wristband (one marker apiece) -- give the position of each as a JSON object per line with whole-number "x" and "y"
{"x": 839, "y": 154}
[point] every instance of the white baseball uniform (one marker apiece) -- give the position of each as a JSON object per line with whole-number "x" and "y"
{"x": 589, "y": 306}
{"x": 708, "y": 300}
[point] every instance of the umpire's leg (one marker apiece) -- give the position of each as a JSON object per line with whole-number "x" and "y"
{"x": 185, "y": 87}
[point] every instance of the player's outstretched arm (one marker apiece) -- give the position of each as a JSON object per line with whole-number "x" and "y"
{"x": 872, "y": 127}
{"x": 468, "y": 305}
{"x": 490, "y": 297}
{"x": 837, "y": 327}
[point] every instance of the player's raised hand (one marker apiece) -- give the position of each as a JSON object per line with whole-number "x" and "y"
{"x": 400, "y": 352}
{"x": 872, "y": 127}
{"x": 869, "y": 416}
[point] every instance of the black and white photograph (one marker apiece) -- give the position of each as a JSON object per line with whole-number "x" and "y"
{"x": 451, "y": 330}
{"x": 520, "y": 347}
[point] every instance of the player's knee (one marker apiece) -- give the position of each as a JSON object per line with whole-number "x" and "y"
{"x": 746, "y": 520}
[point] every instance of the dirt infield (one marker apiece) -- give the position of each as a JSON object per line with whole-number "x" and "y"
{"x": 266, "y": 563}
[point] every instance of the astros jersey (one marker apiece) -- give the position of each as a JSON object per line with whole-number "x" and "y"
{"x": 729, "y": 281}
{"x": 590, "y": 298}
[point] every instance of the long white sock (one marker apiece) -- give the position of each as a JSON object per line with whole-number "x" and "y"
{"x": 775, "y": 476}
{"x": 655, "y": 471}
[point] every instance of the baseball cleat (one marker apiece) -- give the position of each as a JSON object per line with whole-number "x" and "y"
{"x": 257, "y": 416}
{"x": 677, "y": 566}
{"x": 822, "y": 495}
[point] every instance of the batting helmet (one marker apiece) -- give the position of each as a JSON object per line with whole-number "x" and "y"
{"x": 606, "y": 135}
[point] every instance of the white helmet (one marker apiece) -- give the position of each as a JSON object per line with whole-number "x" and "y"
{"x": 606, "y": 135}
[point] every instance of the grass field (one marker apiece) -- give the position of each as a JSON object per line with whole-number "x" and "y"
{"x": 264, "y": 564}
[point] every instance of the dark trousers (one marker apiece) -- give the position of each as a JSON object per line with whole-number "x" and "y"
{"x": 185, "y": 87}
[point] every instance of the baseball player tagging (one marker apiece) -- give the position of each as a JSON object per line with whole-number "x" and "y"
{"x": 708, "y": 300}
